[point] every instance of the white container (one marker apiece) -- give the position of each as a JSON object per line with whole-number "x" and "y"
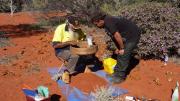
{"x": 129, "y": 98}
{"x": 38, "y": 98}
{"x": 175, "y": 95}
{"x": 89, "y": 40}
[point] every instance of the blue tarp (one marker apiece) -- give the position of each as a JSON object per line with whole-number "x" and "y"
{"x": 74, "y": 94}
{"x": 29, "y": 92}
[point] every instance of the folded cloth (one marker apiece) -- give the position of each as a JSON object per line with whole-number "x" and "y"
{"x": 30, "y": 93}
{"x": 43, "y": 91}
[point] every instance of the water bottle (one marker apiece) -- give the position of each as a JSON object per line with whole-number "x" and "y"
{"x": 175, "y": 95}
{"x": 89, "y": 40}
{"x": 165, "y": 59}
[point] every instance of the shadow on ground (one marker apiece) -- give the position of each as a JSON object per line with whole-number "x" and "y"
{"x": 21, "y": 30}
{"x": 90, "y": 61}
{"x": 55, "y": 97}
{"x": 132, "y": 64}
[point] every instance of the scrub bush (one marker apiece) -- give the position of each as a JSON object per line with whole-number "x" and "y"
{"x": 105, "y": 94}
{"x": 160, "y": 26}
{"x": 4, "y": 42}
{"x": 5, "y": 5}
{"x": 6, "y": 60}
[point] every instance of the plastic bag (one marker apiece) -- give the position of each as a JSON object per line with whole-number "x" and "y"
{"x": 175, "y": 95}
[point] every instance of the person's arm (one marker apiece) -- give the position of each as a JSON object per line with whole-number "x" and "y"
{"x": 63, "y": 44}
{"x": 60, "y": 44}
{"x": 112, "y": 27}
{"x": 118, "y": 39}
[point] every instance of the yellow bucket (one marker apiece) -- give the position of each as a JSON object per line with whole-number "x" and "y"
{"x": 109, "y": 64}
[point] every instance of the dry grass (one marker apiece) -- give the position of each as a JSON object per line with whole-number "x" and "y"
{"x": 175, "y": 60}
{"x": 6, "y": 60}
{"x": 33, "y": 68}
{"x": 4, "y": 42}
{"x": 105, "y": 93}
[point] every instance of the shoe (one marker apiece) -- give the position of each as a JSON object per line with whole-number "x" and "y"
{"x": 66, "y": 77}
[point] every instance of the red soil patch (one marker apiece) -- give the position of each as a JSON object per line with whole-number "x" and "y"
{"x": 35, "y": 55}
{"x": 17, "y": 18}
{"x": 26, "y": 17}
{"x": 87, "y": 82}
{"x": 152, "y": 79}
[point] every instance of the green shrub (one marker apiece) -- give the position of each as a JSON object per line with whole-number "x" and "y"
{"x": 159, "y": 24}
{"x": 4, "y": 42}
{"x": 5, "y": 5}
{"x": 54, "y": 21}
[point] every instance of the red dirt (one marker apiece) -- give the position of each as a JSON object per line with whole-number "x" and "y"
{"x": 35, "y": 55}
{"x": 25, "y": 17}
{"x": 87, "y": 82}
{"x": 17, "y": 18}
{"x": 150, "y": 79}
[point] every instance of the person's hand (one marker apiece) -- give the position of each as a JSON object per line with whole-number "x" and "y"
{"x": 121, "y": 51}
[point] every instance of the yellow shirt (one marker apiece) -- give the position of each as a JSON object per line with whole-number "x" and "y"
{"x": 61, "y": 35}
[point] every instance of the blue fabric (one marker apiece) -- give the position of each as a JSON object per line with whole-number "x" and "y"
{"x": 53, "y": 71}
{"x": 28, "y": 92}
{"x": 58, "y": 50}
{"x": 103, "y": 75}
{"x": 74, "y": 94}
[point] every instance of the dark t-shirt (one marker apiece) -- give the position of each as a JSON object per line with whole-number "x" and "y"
{"x": 128, "y": 30}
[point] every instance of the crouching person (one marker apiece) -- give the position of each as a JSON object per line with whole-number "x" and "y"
{"x": 125, "y": 34}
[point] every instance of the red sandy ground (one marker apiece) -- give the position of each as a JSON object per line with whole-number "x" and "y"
{"x": 148, "y": 79}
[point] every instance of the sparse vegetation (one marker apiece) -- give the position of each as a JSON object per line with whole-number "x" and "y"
{"x": 175, "y": 59}
{"x": 11, "y": 5}
{"x": 159, "y": 26}
{"x": 54, "y": 21}
{"x": 33, "y": 68}
{"x": 1, "y": 32}
{"x": 6, "y": 60}
{"x": 105, "y": 93}
{"x": 4, "y": 42}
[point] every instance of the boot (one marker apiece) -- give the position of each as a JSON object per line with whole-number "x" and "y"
{"x": 66, "y": 77}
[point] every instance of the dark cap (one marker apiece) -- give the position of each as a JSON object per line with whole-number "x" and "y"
{"x": 98, "y": 15}
{"x": 73, "y": 20}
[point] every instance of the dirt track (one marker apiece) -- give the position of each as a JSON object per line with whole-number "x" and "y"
{"x": 33, "y": 54}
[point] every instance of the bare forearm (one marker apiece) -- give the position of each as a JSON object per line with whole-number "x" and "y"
{"x": 119, "y": 40}
{"x": 61, "y": 45}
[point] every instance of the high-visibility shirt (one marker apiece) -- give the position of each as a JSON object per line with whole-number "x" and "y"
{"x": 61, "y": 35}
